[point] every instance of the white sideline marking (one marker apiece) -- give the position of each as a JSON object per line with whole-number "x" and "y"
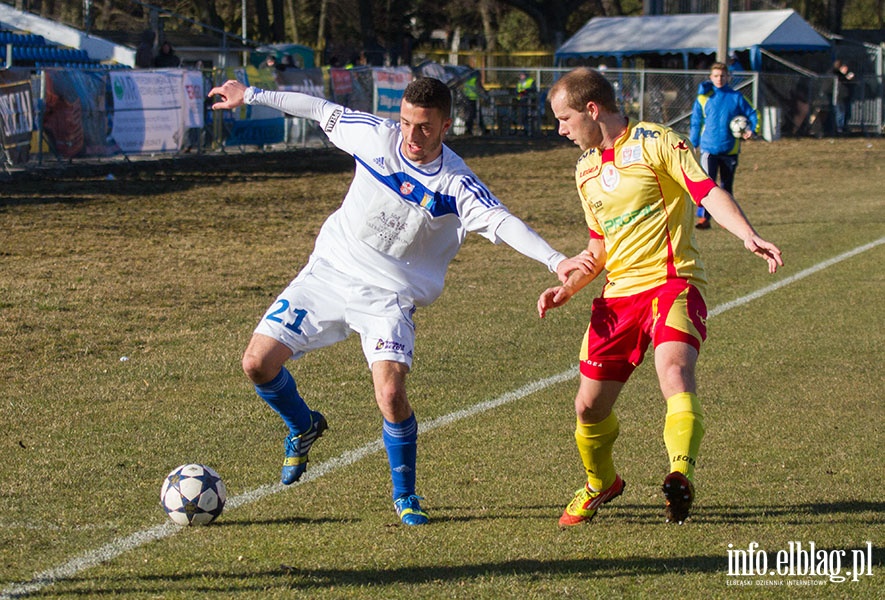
{"x": 793, "y": 278}
{"x": 114, "y": 549}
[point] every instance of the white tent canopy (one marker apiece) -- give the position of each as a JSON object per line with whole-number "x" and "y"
{"x": 619, "y": 37}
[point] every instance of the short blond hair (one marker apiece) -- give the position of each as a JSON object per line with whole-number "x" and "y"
{"x": 583, "y": 85}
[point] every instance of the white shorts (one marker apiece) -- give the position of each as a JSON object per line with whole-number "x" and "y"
{"x": 323, "y": 306}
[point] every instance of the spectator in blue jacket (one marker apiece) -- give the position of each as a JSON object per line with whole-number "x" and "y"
{"x": 716, "y": 106}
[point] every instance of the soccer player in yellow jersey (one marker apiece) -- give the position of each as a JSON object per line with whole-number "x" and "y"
{"x": 639, "y": 185}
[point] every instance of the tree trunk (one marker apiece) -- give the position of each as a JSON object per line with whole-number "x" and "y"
{"x": 489, "y": 25}
{"x": 612, "y": 8}
{"x": 367, "y": 25}
{"x": 834, "y": 15}
{"x": 321, "y": 29}
{"x": 263, "y": 32}
{"x": 455, "y": 46}
{"x": 292, "y": 21}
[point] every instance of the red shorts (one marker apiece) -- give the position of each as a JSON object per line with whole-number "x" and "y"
{"x": 622, "y": 328}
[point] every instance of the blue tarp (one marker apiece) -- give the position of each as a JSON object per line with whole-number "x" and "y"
{"x": 620, "y": 37}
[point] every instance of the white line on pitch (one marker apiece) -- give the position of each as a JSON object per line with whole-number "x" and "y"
{"x": 114, "y": 549}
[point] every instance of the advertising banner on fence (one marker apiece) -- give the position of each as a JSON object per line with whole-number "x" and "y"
{"x": 353, "y": 88}
{"x": 253, "y": 125}
{"x": 306, "y": 81}
{"x": 194, "y": 99}
{"x": 75, "y": 118}
{"x": 148, "y": 110}
{"x": 389, "y": 86}
{"x": 16, "y": 116}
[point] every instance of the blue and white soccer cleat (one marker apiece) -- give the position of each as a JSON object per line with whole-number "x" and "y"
{"x": 297, "y": 447}
{"x": 409, "y": 510}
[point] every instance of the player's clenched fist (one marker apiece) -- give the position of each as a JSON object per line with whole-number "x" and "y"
{"x": 231, "y": 92}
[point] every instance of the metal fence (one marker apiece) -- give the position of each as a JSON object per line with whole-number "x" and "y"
{"x": 789, "y": 105}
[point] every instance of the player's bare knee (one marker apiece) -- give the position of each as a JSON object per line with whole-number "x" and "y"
{"x": 256, "y": 369}
{"x": 675, "y": 378}
{"x": 393, "y": 403}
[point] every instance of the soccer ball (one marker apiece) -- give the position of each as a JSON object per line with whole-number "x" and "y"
{"x": 739, "y": 126}
{"x": 193, "y": 494}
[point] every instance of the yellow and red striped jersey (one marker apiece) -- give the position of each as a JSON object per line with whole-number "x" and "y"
{"x": 640, "y": 197}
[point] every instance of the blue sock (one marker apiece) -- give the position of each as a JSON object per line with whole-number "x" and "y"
{"x": 282, "y": 396}
{"x": 401, "y": 443}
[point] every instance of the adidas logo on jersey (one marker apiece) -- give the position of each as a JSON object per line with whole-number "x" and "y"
{"x": 379, "y": 161}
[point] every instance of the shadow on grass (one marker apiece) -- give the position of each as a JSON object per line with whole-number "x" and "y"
{"x": 283, "y": 521}
{"x": 857, "y": 512}
{"x": 306, "y": 579}
{"x": 149, "y": 177}
{"x": 288, "y": 577}
{"x": 848, "y": 511}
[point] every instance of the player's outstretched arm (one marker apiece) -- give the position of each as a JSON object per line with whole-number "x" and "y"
{"x": 584, "y": 262}
{"x": 232, "y": 93}
{"x": 593, "y": 258}
{"x": 729, "y": 215}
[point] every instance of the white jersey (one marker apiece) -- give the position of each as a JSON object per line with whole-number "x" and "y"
{"x": 400, "y": 223}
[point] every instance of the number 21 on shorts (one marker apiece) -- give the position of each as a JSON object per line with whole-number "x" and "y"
{"x": 280, "y": 309}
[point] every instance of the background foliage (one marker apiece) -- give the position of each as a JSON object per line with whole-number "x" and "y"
{"x": 495, "y": 25}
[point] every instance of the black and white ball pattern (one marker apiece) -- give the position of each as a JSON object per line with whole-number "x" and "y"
{"x": 193, "y": 494}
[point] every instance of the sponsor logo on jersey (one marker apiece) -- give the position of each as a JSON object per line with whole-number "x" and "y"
{"x": 643, "y": 133}
{"x": 426, "y": 200}
{"x": 379, "y": 161}
{"x": 631, "y": 154}
{"x": 680, "y": 146}
{"x": 612, "y": 225}
{"x": 336, "y": 114}
{"x": 589, "y": 171}
{"x": 610, "y": 177}
{"x": 406, "y": 188}
{"x": 386, "y": 224}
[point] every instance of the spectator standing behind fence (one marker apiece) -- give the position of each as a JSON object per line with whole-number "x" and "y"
{"x": 473, "y": 94}
{"x": 842, "y": 98}
{"x": 167, "y": 58}
{"x": 525, "y": 85}
{"x": 527, "y": 100}
{"x": 144, "y": 54}
{"x": 715, "y": 107}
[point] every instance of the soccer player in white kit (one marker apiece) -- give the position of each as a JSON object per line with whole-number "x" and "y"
{"x": 383, "y": 253}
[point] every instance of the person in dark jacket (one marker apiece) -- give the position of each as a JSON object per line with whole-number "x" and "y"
{"x": 715, "y": 108}
{"x": 144, "y": 54}
{"x": 844, "y": 81}
{"x": 167, "y": 58}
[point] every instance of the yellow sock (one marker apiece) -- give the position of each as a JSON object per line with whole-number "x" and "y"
{"x": 683, "y": 431}
{"x": 595, "y": 443}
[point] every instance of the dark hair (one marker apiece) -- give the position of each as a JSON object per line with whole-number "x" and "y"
{"x": 583, "y": 85}
{"x": 427, "y": 92}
